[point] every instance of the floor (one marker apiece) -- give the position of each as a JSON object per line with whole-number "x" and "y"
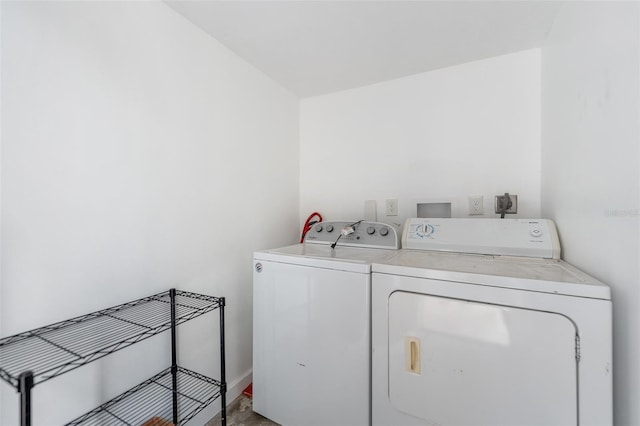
{"x": 240, "y": 413}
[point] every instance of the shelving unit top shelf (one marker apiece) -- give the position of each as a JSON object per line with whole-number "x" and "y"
{"x": 64, "y": 346}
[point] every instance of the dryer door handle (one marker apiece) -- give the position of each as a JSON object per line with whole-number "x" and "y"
{"x": 412, "y": 354}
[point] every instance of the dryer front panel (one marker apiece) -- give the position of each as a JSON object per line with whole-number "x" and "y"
{"x": 456, "y": 362}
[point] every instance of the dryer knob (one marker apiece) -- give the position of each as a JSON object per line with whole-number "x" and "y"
{"x": 384, "y": 232}
{"x": 318, "y": 228}
{"x": 371, "y": 230}
{"x": 536, "y": 232}
{"x": 329, "y": 228}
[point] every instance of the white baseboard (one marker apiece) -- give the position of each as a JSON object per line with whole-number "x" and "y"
{"x": 234, "y": 390}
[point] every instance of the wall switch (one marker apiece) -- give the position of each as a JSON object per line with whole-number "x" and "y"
{"x": 500, "y": 201}
{"x": 476, "y": 205}
{"x": 370, "y": 211}
{"x": 392, "y": 207}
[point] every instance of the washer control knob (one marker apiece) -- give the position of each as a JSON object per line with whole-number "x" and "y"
{"x": 371, "y": 230}
{"x": 318, "y": 228}
{"x": 329, "y": 228}
{"x": 384, "y": 232}
{"x": 536, "y": 232}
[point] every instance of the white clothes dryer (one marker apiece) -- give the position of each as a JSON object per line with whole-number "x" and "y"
{"x": 312, "y": 325}
{"x": 478, "y": 322}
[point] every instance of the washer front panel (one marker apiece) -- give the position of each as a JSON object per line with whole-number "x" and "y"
{"x": 311, "y": 345}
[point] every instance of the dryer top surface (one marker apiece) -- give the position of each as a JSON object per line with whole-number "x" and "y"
{"x": 541, "y": 275}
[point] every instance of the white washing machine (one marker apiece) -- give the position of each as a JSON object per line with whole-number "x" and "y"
{"x": 312, "y": 325}
{"x": 478, "y": 322}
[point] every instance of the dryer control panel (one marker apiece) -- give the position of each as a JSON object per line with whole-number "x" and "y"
{"x": 354, "y": 234}
{"x": 506, "y": 237}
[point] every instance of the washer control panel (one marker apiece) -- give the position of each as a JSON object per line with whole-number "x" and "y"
{"x": 507, "y": 237}
{"x": 354, "y": 234}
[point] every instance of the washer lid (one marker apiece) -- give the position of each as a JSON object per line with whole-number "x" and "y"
{"x": 541, "y": 275}
{"x": 323, "y": 256}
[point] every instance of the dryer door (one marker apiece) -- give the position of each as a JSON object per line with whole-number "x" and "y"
{"x": 456, "y": 362}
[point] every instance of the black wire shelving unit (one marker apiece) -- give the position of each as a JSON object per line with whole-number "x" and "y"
{"x": 175, "y": 394}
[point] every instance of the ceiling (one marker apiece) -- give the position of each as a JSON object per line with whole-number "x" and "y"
{"x": 318, "y": 47}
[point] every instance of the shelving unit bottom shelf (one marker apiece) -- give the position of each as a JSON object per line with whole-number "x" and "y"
{"x": 153, "y": 399}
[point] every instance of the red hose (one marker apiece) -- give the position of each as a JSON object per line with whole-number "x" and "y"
{"x": 308, "y": 224}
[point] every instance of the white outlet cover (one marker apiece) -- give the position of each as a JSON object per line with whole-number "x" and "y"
{"x": 476, "y": 205}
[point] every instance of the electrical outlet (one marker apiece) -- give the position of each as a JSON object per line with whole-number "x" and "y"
{"x": 476, "y": 205}
{"x": 500, "y": 199}
{"x": 392, "y": 207}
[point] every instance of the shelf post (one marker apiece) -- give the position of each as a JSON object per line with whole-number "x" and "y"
{"x": 25, "y": 383}
{"x": 223, "y": 381}
{"x": 174, "y": 362}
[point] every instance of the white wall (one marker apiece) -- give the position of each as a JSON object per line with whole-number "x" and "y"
{"x": 472, "y": 129}
{"x": 138, "y": 154}
{"x": 590, "y": 164}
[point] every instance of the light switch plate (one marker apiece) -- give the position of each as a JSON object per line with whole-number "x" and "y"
{"x": 392, "y": 207}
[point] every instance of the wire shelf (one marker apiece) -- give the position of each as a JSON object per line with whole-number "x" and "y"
{"x": 152, "y": 399}
{"x": 64, "y": 346}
